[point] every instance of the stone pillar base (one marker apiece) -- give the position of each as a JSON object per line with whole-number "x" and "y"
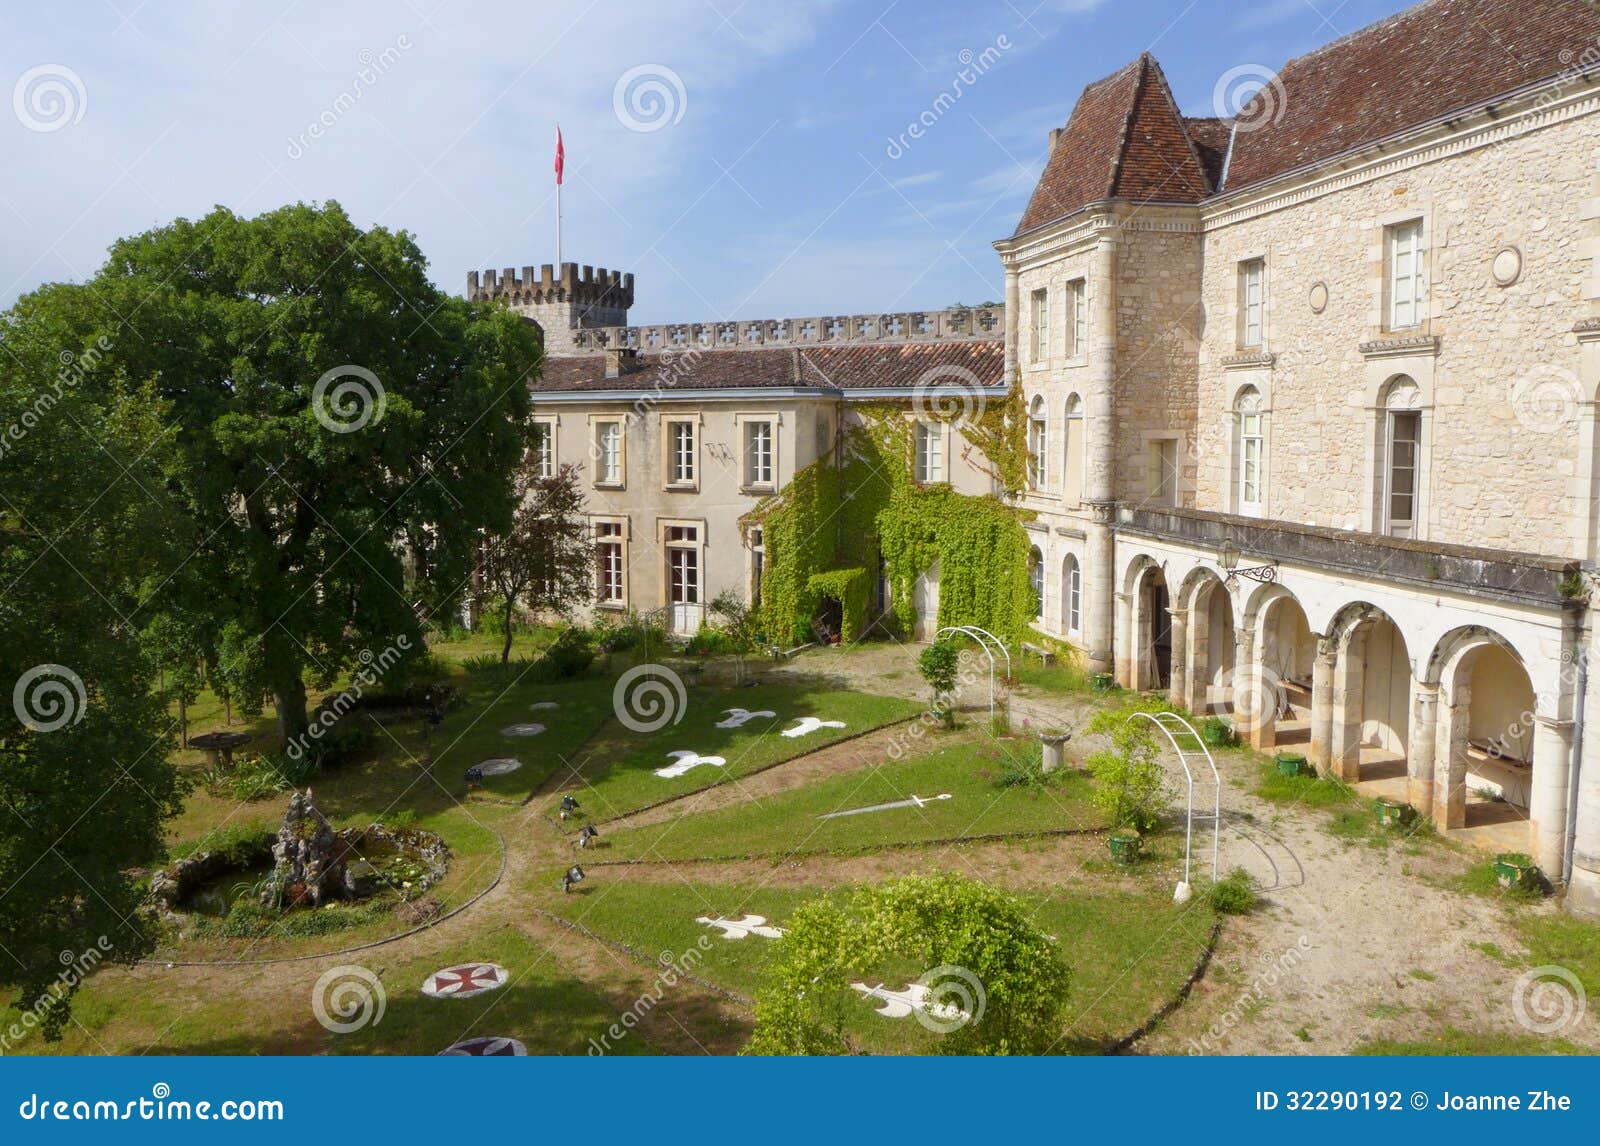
{"x": 1583, "y": 893}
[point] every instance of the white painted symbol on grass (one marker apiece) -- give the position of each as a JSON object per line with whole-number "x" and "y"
{"x": 522, "y": 730}
{"x": 743, "y": 927}
{"x": 488, "y": 1046}
{"x": 499, "y": 766}
{"x": 685, "y": 761}
{"x": 740, "y": 716}
{"x": 810, "y": 724}
{"x": 913, "y": 802}
{"x": 539, "y": 704}
{"x": 465, "y": 980}
{"x": 914, "y": 999}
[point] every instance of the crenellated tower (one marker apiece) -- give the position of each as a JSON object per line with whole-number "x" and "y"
{"x": 578, "y": 298}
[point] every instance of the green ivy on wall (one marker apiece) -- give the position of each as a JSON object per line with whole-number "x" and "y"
{"x": 827, "y": 532}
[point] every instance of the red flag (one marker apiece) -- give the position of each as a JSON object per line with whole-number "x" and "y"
{"x": 561, "y": 156}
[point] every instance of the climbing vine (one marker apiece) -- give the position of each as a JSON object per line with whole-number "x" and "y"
{"x": 827, "y": 532}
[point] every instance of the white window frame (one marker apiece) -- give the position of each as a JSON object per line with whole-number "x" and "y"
{"x": 760, "y": 465}
{"x": 604, "y": 477}
{"x": 680, "y": 468}
{"x": 1039, "y": 318}
{"x": 929, "y": 465}
{"x": 1253, "y": 304}
{"x": 1038, "y": 445}
{"x": 1250, "y": 438}
{"x": 695, "y": 545}
{"x": 1077, "y": 318}
{"x": 1393, "y": 526}
{"x": 543, "y": 460}
{"x": 1072, "y": 596}
{"x": 1163, "y": 477}
{"x": 1407, "y": 271}
{"x": 1075, "y": 428}
{"x": 611, "y": 546}
{"x": 1036, "y": 578}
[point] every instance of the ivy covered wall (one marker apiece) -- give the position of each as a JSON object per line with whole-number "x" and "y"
{"x": 826, "y": 532}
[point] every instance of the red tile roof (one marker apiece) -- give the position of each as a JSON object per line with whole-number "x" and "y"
{"x": 1126, "y": 141}
{"x": 844, "y": 367}
{"x": 1422, "y": 64}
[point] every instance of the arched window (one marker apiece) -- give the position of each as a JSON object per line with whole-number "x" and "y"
{"x": 1071, "y": 595}
{"x": 1038, "y": 430}
{"x": 1036, "y": 579}
{"x": 1400, "y": 457}
{"x": 1250, "y": 447}
{"x": 1072, "y": 453}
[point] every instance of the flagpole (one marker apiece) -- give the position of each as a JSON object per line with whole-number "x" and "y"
{"x": 560, "y": 179}
{"x": 558, "y": 229}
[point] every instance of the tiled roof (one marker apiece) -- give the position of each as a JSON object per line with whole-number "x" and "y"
{"x": 1419, "y": 65}
{"x": 1125, "y": 140}
{"x": 848, "y": 367}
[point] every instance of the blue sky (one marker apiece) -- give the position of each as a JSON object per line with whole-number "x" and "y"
{"x": 763, "y": 183}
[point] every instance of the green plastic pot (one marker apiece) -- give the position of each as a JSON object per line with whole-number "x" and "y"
{"x": 1513, "y": 869}
{"x": 1293, "y": 764}
{"x": 1392, "y": 813}
{"x": 1125, "y": 846}
{"x": 1102, "y": 682}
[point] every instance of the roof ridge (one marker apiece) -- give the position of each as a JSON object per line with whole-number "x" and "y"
{"x": 1125, "y": 134}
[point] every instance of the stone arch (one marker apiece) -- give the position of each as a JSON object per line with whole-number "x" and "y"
{"x": 1071, "y": 594}
{"x": 1371, "y": 710}
{"x": 1273, "y": 688}
{"x": 1149, "y": 660}
{"x": 1209, "y": 654}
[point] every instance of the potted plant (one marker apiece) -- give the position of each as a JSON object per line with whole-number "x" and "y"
{"x": 1514, "y": 869}
{"x": 1393, "y": 813}
{"x": 1126, "y": 845}
{"x": 1102, "y": 682}
{"x": 1292, "y": 764}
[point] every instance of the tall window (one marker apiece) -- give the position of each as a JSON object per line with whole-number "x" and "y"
{"x": 1252, "y": 302}
{"x": 758, "y": 564}
{"x": 544, "y": 450}
{"x": 1164, "y": 471}
{"x": 609, "y": 563}
{"x": 1039, "y": 344}
{"x": 1252, "y": 446}
{"x": 1038, "y": 439}
{"x": 1077, "y": 318}
{"x": 681, "y": 453}
{"x": 758, "y": 453}
{"x": 1072, "y": 453}
{"x": 1071, "y": 594}
{"x": 1402, "y": 458}
{"x": 1036, "y": 579}
{"x": 1408, "y": 288}
{"x": 608, "y": 453}
{"x": 930, "y": 452}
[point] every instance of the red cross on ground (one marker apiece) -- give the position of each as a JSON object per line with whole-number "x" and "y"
{"x": 467, "y": 979}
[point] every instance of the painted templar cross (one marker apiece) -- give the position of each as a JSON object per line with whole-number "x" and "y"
{"x": 742, "y": 927}
{"x": 740, "y": 716}
{"x": 685, "y": 761}
{"x": 468, "y": 979}
{"x": 901, "y": 1004}
{"x": 809, "y": 724}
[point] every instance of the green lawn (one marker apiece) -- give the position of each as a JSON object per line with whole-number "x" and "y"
{"x": 619, "y": 765}
{"x": 965, "y": 769}
{"x": 1129, "y": 950}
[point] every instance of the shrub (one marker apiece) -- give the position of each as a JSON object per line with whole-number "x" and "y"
{"x": 1128, "y": 777}
{"x": 940, "y": 665}
{"x": 709, "y": 642}
{"x": 1235, "y": 893}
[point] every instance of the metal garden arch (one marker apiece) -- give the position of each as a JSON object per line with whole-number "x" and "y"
{"x": 985, "y": 639}
{"x": 1177, "y": 729}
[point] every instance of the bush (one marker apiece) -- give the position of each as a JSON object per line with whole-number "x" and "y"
{"x": 1128, "y": 777}
{"x": 708, "y": 642}
{"x": 1235, "y": 893}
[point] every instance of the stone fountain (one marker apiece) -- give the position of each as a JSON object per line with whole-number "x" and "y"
{"x": 309, "y": 858}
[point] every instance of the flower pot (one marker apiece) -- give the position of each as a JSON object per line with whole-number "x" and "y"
{"x": 1102, "y": 682}
{"x": 1218, "y": 733}
{"x": 1393, "y": 813}
{"x": 1125, "y": 846}
{"x": 1512, "y": 869}
{"x": 1292, "y": 764}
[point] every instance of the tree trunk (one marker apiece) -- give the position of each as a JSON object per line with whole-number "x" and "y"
{"x": 183, "y": 723}
{"x": 289, "y": 702}
{"x": 505, "y": 651}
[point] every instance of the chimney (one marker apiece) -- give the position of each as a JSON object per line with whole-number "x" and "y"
{"x": 621, "y": 360}
{"x": 795, "y": 371}
{"x": 1055, "y": 138}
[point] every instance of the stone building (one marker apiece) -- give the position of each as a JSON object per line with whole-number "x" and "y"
{"x": 1312, "y": 407}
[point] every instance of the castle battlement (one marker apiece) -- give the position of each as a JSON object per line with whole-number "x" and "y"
{"x": 955, "y": 324}
{"x": 572, "y": 284}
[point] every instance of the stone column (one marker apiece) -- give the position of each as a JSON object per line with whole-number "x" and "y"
{"x": 1123, "y": 640}
{"x": 1450, "y": 757}
{"x": 1420, "y": 746}
{"x": 1349, "y": 678}
{"x": 1100, "y": 493}
{"x": 1547, "y": 805}
{"x": 1177, "y": 693}
{"x": 1013, "y": 319}
{"x": 1320, "y": 751}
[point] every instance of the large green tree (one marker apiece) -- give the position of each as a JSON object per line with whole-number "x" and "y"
{"x": 85, "y": 781}
{"x": 344, "y": 432}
